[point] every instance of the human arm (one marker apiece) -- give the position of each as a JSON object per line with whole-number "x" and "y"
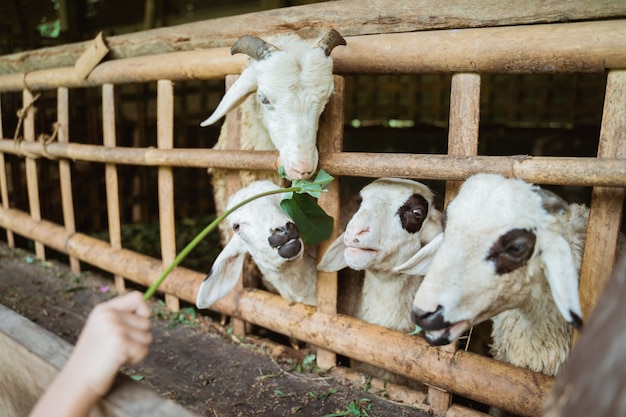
{"x": 117, "y": 332}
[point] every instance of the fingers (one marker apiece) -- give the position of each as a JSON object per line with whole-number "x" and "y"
{"x": 131, "y": 302}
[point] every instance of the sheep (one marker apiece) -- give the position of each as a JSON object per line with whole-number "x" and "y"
{"x": 511, "y": 252}
{"x": 396, "y": 218}
{"x": 293, "y": 81}
{"x": 262, "y": 229}
{"x": 592, "y": 381}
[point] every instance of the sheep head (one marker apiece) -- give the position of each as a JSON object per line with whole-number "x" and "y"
{"x": 505, "y": 244}
{"x": 262, "y": 229}
{"x": 395, "y": 219}
{"x": 293, "y": 81}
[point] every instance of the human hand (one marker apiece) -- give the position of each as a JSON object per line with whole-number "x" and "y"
{"x": 117, "y": 332}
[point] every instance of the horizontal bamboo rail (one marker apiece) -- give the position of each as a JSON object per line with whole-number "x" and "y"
{"x": 572, "y": 47}
{"x": 349, "y": 17}
{"x": 510, "y": 388}
{"x": 608, "y": 172}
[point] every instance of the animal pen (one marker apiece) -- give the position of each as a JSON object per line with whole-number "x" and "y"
{"x": 555, "y": 38}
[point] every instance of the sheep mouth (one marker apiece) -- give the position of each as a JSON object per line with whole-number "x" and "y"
{"x": 446, "y": 335}
{"x": 353, "y": 250}
{"x": 291, "y": 250}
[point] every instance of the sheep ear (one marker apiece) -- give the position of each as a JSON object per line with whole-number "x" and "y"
{"x": 333, "y": 259}
{"x": 420, "y": 262}
{"x": 558, "y": 264}
{"x": 224, "y": 274}
{"x": 245, "y": 85}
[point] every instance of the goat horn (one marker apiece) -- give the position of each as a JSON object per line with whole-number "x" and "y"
{"x": 253, "y": 46}
{"x": 331, "y": 39}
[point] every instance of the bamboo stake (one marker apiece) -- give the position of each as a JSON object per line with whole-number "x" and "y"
{"x": 517, "y": 390}
{"x": 552, "y": 48}
{"x": 330, "y": 140}
{"x": 165, "y": 140}
{"x": 607, "y": 204}
{"x": 4, "y": 189}
{"x": 32, "y": 182}
{"x": 608, "y": 172}
{"x": 110, "y": 176}
{"x": 65, "y": 175}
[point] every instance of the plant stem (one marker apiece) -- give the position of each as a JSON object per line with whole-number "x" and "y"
{"x": 179, "y": 258}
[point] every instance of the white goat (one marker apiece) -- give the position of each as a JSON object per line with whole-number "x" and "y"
{"x": 395, "y": 219}
{"x": 293, "y": 81}
{"x": 262, "y": 229}
{"x": 512, "y": 252}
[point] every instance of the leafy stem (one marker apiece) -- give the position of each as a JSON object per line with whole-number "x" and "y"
{"x": 314, "y": 188}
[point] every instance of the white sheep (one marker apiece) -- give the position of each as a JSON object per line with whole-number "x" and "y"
{"x": 262, "y": 229}
{"x": 395, "y": 219}
{"x": 293, "y": 81}
{"x": 511, "y": 252}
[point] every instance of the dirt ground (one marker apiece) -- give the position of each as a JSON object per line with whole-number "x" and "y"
{"x": 194, "y": 360}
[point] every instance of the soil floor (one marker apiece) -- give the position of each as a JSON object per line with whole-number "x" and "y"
{"x": 194, "y": 360}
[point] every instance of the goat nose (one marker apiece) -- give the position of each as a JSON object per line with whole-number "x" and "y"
{"x": 430, "y": 320}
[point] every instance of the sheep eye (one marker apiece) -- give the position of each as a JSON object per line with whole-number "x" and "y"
{"x": 413, "y": 213}
{"x": 236, "y": 227}
{"x": 418, "y": 213}
{"x": 264, "y": 100}
{"x": 512, "y": 250}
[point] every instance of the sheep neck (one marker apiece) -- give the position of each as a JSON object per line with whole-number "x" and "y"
{"x": 399, "y": 289}
{"x": 295, "y": 280}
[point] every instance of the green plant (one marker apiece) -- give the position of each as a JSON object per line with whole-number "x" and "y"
{"x": 299, "y": 203}
{"x": 357, "y": 408}
{"x": 308, "y": 364}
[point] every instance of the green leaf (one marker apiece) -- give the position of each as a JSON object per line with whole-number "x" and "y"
{"x": 314, "y": 224}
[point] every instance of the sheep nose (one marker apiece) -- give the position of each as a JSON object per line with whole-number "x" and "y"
{"x": 287, "y": 239}
{"x": 430, "y": 320}
{"x": 301, "y": 175}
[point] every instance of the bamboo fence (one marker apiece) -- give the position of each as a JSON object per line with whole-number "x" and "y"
{"x": 590, "y": 46}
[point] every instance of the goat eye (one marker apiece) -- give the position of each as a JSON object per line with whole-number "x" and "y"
{"x": 236, "y": 227}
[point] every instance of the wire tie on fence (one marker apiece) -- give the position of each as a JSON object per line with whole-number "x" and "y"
{"x": 21, "y": 115}
{"x": 45, "y": 139}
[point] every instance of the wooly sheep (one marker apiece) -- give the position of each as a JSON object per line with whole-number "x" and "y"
{"x": 592, "y": 381}
{"x": 395, "y": 219}
{"x": 262, "y": 229}
{"x": 282, "y": 91}
{"x": 511, "y": 252}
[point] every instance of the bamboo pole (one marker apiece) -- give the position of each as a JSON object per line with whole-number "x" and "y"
{"x": 32, "y": 181}
{"x": 517, "y": 390}
{"x": 165, "y": 140}
{"x": 607, "y": 204}
{"x": 4, "y": 188}
{"x": 109, "y": 138}
{"x": 330, "y": 140}
{"x": 586, "y": 171}
{"x": 65, "y": 174}
{"x": 553, "y": 48}
{"x": 349, "y": 17}
{"x": 462, "y": 141}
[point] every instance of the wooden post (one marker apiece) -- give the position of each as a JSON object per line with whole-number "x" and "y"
{"x": 607, "y": 204}
{"x": 110, "y": 176}
{"x": 165, "y": 140}
{"x": 65, "y": 176}
{"x": 32, "y": 181}
{"x": 4, "y": 188}
{"x": 330, "y": 140}
{"x": 462, "y": 141}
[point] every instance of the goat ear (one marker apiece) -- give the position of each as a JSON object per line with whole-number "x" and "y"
{"x": 420, "y": 262}
{"x": 224, "y": 274}
{"x": 558, "y": 263}
{"x": 333, "y": 259}
{"x": 245, "y": 85}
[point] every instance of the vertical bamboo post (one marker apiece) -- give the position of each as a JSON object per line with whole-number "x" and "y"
{"x": 330, "y": 140}
{"x": 110, "y": 176}
{"x": 32, "y": 182}
{"x": 4, "y": 188}
{"x": 233, "y": 182}
{"x": 607, "y": 204}
{"x": 65, "y": 176}
{"x": 165, "y": 140}
{"x": 462, "y": 141}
